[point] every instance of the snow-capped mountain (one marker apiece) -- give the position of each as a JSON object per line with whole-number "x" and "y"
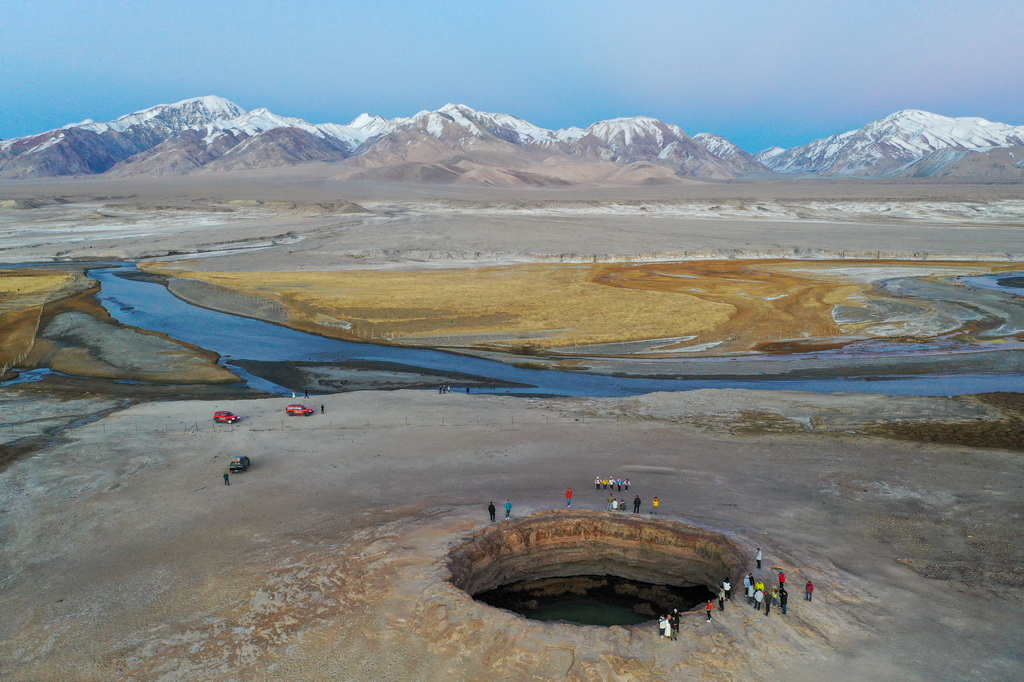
{"x": 94, "y": 147}
{"x": 765, "y": 156}
{"x": 211, "y": 133}
{"x": 642, "y": 138}
{"x": 888, "y": 143}
{"x": 737, "y": 160}
{"x": 254, "y": 139}
{"x": 995, "y": 163}
{"x": 457, "y": 143}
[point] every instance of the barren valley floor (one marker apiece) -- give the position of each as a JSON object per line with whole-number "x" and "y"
{"x": 123, "y": 555}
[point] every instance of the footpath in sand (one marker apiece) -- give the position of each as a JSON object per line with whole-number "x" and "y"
{"x": 125, "y": 557}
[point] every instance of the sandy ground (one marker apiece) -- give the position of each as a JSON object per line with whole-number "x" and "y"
{"x": 125, "y": 557}
{"x": 157, "y": 217}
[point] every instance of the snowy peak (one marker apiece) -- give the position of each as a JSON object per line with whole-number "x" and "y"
{"x": 175, "y": 117}
{"x": 736, "y": 159}
{"x": 890, "y": 142}
{"x": 766, "y": 155}
{"x": 623, "y": 132}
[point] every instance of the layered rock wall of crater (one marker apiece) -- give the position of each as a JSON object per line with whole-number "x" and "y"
{"x": 570, "y": 543}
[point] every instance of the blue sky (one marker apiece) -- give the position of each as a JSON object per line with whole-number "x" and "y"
{"x": 759, "y": 73}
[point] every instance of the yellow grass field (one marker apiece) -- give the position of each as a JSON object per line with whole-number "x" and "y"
{"x": 22, "y": 296}
{"x": 734, "y": 305}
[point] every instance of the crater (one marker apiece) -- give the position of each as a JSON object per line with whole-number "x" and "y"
{"x": 592, "y": 567}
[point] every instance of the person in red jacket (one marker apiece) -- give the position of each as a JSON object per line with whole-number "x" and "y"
{"x": 709, "y": 608}
{"x": 568, "y": 497}
{"x": 782, "y": 578}
{"x": 809, "y": 591}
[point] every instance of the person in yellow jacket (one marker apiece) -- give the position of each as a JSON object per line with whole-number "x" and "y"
{"x": 655, "y": 503}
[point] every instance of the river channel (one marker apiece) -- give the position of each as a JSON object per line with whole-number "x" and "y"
{"x": 149, "y": 305}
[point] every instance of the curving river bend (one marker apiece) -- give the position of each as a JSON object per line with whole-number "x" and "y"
{"x": 149, "y": 305}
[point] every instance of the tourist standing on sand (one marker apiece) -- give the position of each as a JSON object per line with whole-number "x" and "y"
{"x": 663, "y": 626}
{"x": 783, "y": 599}
{"x": 609, "y": 500}
{"x": 721, "y": 599}
{"x": 491, "y": 510}
{"x": 619, "y": 481}
{"x": 568, "y": 497}
{"x": 709, "y": 608}
{"x": 227, "y": 480}
{"x": 615, "y": 504}
{"x": 655, "y": 503}
{"x": 775, "y": 596}
{"x": 626, "y": 483}
{"x": 508, "y": 509}
{"x": 321, "y": 409}
{"x": 758, "y": 598}
{"x": 604, "y": 482}
{"x": 809, "y": 591}
{"x": 636, "y": 504}
{"x": 727, "y": 586}
{"x": 757, "y": 558}
{"x": 597, "y": 483}
{"x": 747, "y": 584}
{"x": 767, "y": 603}
{"x": 782, "y": 578}
{"x": 750, "y": 592}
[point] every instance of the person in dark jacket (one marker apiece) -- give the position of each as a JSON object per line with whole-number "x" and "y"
{"x": 783, "y": 599}
{"x": 491, "y": 510}
{"x": 636, "y": 504}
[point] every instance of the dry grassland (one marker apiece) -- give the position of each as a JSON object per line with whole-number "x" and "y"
{"x": 543, "y": 305}
{"x": 23, "y": 293}
{"x": 732, "y": 305}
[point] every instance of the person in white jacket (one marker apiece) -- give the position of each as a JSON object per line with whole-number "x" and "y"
{"x": 665, "y": 626}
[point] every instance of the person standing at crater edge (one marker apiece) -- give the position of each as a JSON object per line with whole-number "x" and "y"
{"x": 636, "y": 504}
{"x": 508, "y": 509}
{"x": 491, "y": 510}
{"x": 757, "y": 557}
{"x": 568, "y": 497}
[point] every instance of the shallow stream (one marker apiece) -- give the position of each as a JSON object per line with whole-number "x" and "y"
{"x": 149, "y": 305}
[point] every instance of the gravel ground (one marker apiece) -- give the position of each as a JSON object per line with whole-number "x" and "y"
{"x": 125, "y": 556}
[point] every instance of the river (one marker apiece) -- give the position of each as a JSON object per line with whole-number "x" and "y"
{"x": 149, "y": 305}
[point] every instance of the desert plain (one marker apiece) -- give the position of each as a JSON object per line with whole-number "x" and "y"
{"x": 125, "y": 557}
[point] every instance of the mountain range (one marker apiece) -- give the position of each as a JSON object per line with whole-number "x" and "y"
{"x": 459, "y": 144}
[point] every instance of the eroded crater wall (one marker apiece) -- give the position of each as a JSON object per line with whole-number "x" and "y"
{"x": 569, "y": 543}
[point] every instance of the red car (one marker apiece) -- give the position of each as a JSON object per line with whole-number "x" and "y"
{"x": 225, "y": 417}
{"x": 297, "y": 410}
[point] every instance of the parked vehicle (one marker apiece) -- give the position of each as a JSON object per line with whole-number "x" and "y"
{"x": 239, "y": 463}
{"x": 225, "y": 417}
{"x": 298, "y": 410}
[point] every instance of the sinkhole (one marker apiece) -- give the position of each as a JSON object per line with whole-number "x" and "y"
{"x": 592, "y": 567}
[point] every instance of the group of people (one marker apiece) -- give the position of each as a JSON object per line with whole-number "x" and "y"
{"x": 605, "y": 482}
{"x": 757, "y": 592}
{"x": 615, "y": 504}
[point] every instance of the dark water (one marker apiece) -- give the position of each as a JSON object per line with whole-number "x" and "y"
{"x": 588, "y": 611}
{"x": 151, "y": 306}
{"x": 594, "y": 599}
{"x": 1007, "y": 282}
